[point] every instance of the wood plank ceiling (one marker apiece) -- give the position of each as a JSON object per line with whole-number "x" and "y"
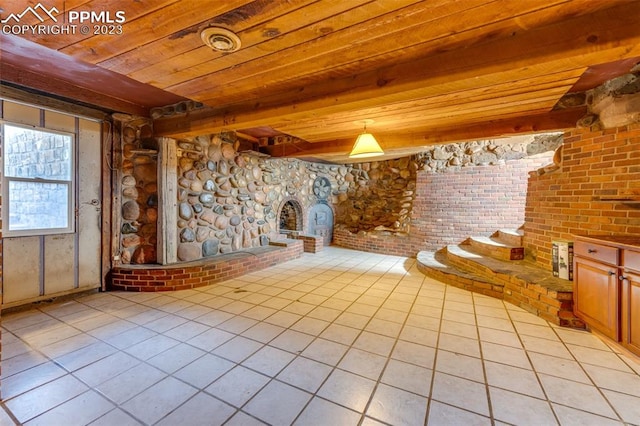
{"x": 425, "y": 71}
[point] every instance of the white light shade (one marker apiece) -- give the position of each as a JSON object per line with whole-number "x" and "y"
{"x": 366, "y": 146}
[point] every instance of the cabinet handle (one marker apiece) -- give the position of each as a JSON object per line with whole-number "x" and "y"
{"x": 591, "y": 250}
{"x": 622, "y": 278}
{"x": 611, "y": 273}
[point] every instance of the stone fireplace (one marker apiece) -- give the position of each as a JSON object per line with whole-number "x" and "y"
{"x": 290, "y": 217}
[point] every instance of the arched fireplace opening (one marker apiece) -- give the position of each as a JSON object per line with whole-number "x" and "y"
{"x": 290, "y": 217}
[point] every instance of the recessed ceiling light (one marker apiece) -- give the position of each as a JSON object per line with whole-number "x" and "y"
{"x": 220, "y": 39}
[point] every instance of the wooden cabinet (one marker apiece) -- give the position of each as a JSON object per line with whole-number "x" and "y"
{"x": 630, "y": 301}
{"x": 606, "y": 291}
{"x": 595, "y": 296}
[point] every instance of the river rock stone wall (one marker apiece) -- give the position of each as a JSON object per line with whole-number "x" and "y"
{"x": 229, "y": 201}
{"x": 379, "y": 196}
{"x": 139, "y": 192}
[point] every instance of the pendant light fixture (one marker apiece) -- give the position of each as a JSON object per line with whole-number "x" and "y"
{"x": 366, "y": 145}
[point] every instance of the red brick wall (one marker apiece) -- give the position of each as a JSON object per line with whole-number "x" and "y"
{"x": 189, "y": 275}
{"x": 449, "y": 207}
{"x": 475, "y": 201}
{"x": 567, "y": 202}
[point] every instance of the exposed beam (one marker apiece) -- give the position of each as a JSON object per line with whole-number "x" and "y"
{"x": 544, "y": 122}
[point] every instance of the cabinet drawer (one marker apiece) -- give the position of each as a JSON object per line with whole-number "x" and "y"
{"x": 631, "y": 260}
{"x": 597, "y": 252}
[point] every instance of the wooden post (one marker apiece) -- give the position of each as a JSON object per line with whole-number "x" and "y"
{"x": 168, "y": 201}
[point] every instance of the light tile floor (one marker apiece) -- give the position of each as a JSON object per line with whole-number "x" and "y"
{"x": 336, "y": 338}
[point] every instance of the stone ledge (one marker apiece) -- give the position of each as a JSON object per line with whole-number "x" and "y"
{"x": 518, "y": 282}
{"x": 202, "y": 272}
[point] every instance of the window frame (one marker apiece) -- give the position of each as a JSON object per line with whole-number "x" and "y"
{"x": 6, "y": 180}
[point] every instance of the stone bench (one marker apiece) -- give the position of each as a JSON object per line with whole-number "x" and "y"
{"x": 202, "y": 272}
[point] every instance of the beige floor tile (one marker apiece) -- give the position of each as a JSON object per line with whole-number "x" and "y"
{"x": 263, "y": 332}
{"x": 292, "y": 341}
{"x": 268, "y": 361}
{"x": 243, "y": 419}
{"x": 203, "y": 371}
{"x": 128, "y": 384}
{"x": 200, "y": 410}
{"x": 547, "y": 347}
{"x": 603, "y": 358}
{"x": 237, "y": 386}
{"x": 463, "y": 345}
{"x": 340, "y": 333}
{"x": 398, "y": 407}
{"x": 159, "y": 400}
{"x": 446, "y": 415}
{"x": 376, "y": 343}
{"x": 519, "y": 409}
{"x": 305, "y": 374}
{"x": 460, "y": 393}
{"x": 576, "y": 395}
{"x": 500, "y": 337}
{"x": 83, "y": 409}
{"x": 419, "y": 335}
{"x": 363, "y": 363}
{"x": 414, "y": 354}
{"x": 459, "y": 329}
{"x": 559, "y": 367}
{"x": 515, "y": 357}
{"x": 347, "y": 389}
{"x": 384, "y": 327}
{"x": 310, "y": 326}
{"x": 459, "y": 365}
{"x": 325, "y": 351}
{"x": 101, "y": 371}
{"x": 186, "y": 331}
{"x": 616, "y": 380}
{"x": 175, "y": 358}
{"x": 571, "y": 417}
{"x": 116, "y": 417}
{"x": 515, "y": 379}
{"x": 21, "y": 362}
{"x": 627, "y": 406}
{"x": 320, "y": 412}
{"x": 409, "y": 377}
{"x": 45, "y": 397}
{"x": 30, "y": 379}
{"x": 278, "y": 403}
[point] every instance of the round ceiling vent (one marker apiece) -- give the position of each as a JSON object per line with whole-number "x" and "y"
{"x": 220, "y": 39}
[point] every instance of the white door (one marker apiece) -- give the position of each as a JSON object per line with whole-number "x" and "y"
{"x": 37, "y": 267}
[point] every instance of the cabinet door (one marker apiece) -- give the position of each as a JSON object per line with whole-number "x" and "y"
{"x": 595, "y": 293}
{"x": 631, "y": 311}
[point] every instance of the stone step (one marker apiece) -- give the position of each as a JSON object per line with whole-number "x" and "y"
{"x": 494, "y": 247}
{"x": 519, "y": 282}
{"x": 437, "y": 265}
{"x": 511, "y": 237}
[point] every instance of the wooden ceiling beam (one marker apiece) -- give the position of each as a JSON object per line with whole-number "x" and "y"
{"x": 390, "y": 142}
{"x": 67, "y": 90}
{"x": 574, "y": 43}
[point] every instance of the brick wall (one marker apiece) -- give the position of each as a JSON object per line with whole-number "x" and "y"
{"x": 190, "y": 275}
{"x": 595, "y": 165}
{"x": 449, "y": 207}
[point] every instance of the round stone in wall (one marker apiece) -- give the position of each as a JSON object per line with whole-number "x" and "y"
{"x": 187, "y": 235}
{"x": 128, "y": 228}
{"x": 185, "y": 211}
{"x": 187, "y": 252}
{"x": 210, "y": 248}
{"x": 130, "y": 210}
